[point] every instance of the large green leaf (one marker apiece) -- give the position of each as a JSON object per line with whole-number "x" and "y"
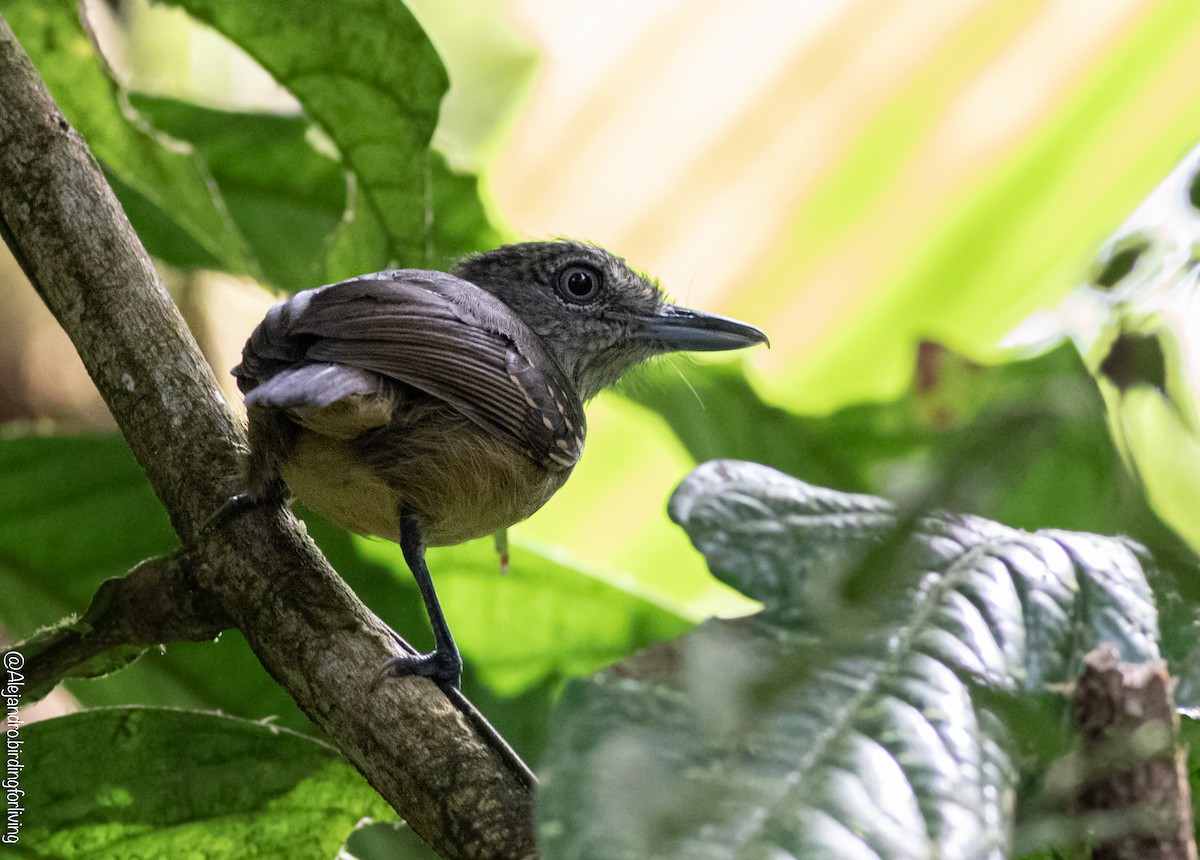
{"x": 150, "y": 783}
{"x": 365, "y": 72}
{"x": 289, "y": 199}
{"x": 285, "y": 196}
{"x": 250, "y": 193}
{"x": 167, "y": 181}
{"x": 828, "y": 728}
{"x": 75, "y": 511}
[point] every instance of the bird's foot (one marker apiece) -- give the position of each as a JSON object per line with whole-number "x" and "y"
{"x": 442, "y": 667}
{"x": 276, "y": 493}
{"x": 238, "y": 503}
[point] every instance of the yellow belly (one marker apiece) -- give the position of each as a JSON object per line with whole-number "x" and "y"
{"x": 324, "y": 474}
{"x": 466, "y": 490}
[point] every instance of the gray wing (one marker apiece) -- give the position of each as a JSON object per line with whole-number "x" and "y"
{"x": 432, "y": 331}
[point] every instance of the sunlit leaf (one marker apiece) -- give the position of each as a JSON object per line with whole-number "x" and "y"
{"x": 368, "y": 76}
{"x": 134, "y": 783}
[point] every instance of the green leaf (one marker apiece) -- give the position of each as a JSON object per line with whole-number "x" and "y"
{"x": 1025, "y": 443}
{"x": 250, "y": 193}
{"x": 365, "y": 72}
{"x": 545, "y": 620}
{"x": 285, "y": 196}
{"x": 460, "y": 223}
{"x": 149, "y": 783}
{"x": 168, "y": 181}
{"x": 75, "y": 511}
{"x": 822, "y": 729}
{"x": 288, "y": 198}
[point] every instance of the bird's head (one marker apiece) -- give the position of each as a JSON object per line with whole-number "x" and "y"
{"x": 594, "y": 314}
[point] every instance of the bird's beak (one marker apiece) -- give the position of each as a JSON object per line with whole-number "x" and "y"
{"x": 676, "y": 329}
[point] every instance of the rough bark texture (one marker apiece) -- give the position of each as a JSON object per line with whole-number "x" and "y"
{"x": 309, "y": 630}
{"x": 1136, "y": 774}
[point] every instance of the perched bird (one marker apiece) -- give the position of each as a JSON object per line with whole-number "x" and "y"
{"x": 433, "y": 408}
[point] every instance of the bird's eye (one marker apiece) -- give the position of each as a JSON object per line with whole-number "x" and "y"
{"x": 579, "y": 284}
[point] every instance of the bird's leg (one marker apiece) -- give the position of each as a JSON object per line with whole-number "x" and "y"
{"x": 269, "y": 433}
{"x": 443, "y": 664}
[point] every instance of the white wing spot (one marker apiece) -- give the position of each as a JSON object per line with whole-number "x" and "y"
{"x": 528, "y": 400}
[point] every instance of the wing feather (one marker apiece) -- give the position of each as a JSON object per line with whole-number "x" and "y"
{"x": 437, "y": 333}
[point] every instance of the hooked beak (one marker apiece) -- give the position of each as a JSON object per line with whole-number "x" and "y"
{"x": 676, "y": 329}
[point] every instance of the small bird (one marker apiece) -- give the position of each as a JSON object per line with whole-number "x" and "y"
{"x": 432, "y": 408}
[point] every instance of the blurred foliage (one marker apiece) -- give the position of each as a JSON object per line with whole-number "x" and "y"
{"x": 56, "y": 550}
{"x": 1025, "y": 443}
{"x": 976, "y": 192}
{"x": 347, "y": 182}
{"x": 819, "y": 729}
{"x": 1135, "y": 321}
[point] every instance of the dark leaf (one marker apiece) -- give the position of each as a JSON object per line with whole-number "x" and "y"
{"x": 817, "y": 729}
{"x": 284, "y": 195}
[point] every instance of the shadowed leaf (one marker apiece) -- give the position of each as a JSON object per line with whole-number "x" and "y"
{"x": 816, "y": 729}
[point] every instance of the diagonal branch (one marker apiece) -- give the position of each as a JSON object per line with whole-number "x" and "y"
{"x": 312, "y": 634}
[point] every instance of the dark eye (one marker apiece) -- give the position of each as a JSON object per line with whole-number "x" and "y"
{"x": 579, "y": 284}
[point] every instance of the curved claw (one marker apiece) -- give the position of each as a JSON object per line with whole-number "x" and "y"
{"x": 444, "y": 669}
{"x": 276, "y": 493}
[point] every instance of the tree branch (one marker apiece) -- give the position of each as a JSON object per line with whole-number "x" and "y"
{"x": 155, "y": 603}
{"x": 1134, "y": 773}
{"x": 454, "y": 788}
